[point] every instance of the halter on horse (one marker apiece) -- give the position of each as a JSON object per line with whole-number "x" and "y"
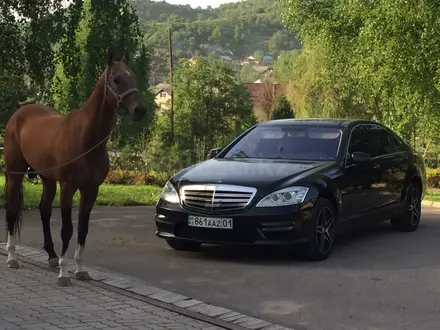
{"x": 69, "y": 149}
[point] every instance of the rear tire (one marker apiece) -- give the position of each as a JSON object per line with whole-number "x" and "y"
{"x": 322, "y": 231}
{"x": 410, "y": 218}
{"x": 183, "y": 245}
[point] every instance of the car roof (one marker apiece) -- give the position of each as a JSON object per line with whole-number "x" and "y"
{"x": 320, "y": 122}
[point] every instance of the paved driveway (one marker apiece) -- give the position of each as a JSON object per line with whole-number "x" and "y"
{"x": 376, "y": 279}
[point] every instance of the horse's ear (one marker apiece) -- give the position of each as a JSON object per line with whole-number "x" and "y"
{"x": 125, "y": 58}
{"x": 109, "y": 58}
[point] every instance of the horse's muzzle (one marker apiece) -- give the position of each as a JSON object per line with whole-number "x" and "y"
{"x": 139, "y": 113}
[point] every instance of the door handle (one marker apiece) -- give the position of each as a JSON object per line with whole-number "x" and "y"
{"x": 376, "y": 166}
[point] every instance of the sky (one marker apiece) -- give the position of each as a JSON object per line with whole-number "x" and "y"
{"x": 201, "y": 3}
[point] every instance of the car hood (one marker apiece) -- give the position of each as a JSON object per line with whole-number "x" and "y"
{"x": 254, "y": 173}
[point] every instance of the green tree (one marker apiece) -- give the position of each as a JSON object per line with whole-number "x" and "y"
{"x": 259, "y": 56}
{"x": 13, "y": 89}
{"x": 284, "y": 66}
{"x": 379, "y": 60}
{"x": 209, "y": 100}
{"x": 99, "y": 26}
{"x": 29, "y": 32}
{"x": 282, "y": 40}
{"x": 282, "y": 108}
{"x": 248, "y": 74}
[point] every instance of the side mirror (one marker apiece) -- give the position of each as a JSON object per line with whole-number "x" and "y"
{"x": 214, "y": 152}
{"x": 360, "y": 157}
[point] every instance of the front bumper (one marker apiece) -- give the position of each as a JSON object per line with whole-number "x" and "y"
{"x": 265, "y": 226}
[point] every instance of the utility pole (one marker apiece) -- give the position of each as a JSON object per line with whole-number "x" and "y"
{"x": 170, "y": 51}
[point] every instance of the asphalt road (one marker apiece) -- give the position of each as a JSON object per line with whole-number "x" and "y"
{"x": 376, "y": 279}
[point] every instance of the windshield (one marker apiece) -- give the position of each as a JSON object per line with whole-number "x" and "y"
{"x": 288, "y": 142}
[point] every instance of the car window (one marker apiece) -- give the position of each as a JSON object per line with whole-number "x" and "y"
{"x": 359, "y": 141}
{"x": 375, "y": 140}
{"x": 293, "y": 142}
{"x": 394, "y": 143}
{"x": 383, "y": 142}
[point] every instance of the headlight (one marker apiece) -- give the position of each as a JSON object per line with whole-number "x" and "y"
{"x": 284, "y": 197}
{"x": 169, "y": 194}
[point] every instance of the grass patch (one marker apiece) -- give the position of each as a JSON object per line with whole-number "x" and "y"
{"x": 109, "y": 195}
{"x": 120, "y": 195}
{"x": 432, "y": 194}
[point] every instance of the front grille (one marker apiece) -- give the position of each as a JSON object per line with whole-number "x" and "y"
{"x": 215, "y": 198}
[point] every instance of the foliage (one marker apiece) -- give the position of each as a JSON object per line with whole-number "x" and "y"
{"x": 29, "y": 30}
{"x": 285, "y": 65}
{"x": 433, "y": 177}
{"x": 109, "y": 195}
{"x": 12, "y": 90}
{"x": 432, "y": 194}
{"x": 238, "y": 29}
{"x": 248, "y": 74}
{"x": 259, "y": 56}
{"x": 368, "y": 59}
{"x": 81, "y": 58}
{"x": 133, "y": 177}
{"x": 209, "y": 99}
{"x": 211, "y": 108}
{"x": 160, "y": 147}
{"x": 282, "y": 108}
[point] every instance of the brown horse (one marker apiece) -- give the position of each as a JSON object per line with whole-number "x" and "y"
{"x": 70, "y": 149}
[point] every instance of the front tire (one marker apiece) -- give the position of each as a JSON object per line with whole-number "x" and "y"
{"x": 183, "y": 245}
{"x": 322, "y": 231}
{"x": 410, "y": 218}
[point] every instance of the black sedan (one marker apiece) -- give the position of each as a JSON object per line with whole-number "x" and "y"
{"x": 294, "y": 181}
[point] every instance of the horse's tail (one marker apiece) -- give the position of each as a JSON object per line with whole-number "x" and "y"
{"x": 31, "y": 173}
{"x": 15, "y": 226}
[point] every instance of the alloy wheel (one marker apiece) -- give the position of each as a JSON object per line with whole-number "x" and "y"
{"x": 325, "y": 230}
{"x": 414, "y": 207}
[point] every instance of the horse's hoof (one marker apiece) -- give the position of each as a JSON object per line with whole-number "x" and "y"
{"x": 53, "y": 262}
{"x": 82, "y": 276}
{"x": 64, "y": 281}
{"x": 13, "y": 263}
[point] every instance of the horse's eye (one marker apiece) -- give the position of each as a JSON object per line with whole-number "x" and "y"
{"x": 117, "y": 81}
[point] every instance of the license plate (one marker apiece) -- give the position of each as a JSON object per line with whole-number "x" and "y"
{"x": 203, "y": 222}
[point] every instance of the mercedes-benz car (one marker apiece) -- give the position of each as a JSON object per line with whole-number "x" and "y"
{"x": 292, "y": 181}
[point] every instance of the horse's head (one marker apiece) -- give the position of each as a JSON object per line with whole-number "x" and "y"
{"x": 121, "y": 85}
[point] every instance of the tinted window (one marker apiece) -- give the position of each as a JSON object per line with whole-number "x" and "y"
{"x": 398, "y": 144}
{"x": 384, "y": 143}
{"x": 359, "y": 140}
{"x": 392, "y": 143}
{"x": 288, "y": 142}
{"x": 376, "y": 140}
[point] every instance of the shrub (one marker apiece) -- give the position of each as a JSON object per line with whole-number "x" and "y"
{"x": 128, "y": 158}
{"x": 134, "y": 177}
{"x": 433, "y": 177}
{"x": 282, "y": 108}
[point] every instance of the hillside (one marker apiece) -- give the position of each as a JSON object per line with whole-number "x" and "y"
{"x": 234, "y": 29}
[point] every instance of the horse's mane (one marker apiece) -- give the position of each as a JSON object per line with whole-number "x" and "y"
{"x": 22, "y": 103}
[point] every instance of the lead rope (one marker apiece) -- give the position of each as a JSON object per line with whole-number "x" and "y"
{"x": 118, "y": 100}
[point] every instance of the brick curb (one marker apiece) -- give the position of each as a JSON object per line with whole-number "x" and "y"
{"x": 187, "y": 306}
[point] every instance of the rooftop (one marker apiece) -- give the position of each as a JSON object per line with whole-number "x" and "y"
{"x": 324, "y": 122}
{"x": 162, "y": 87}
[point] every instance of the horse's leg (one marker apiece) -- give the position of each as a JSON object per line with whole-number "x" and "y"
{"x": 14, "y": 204}
{"x": 88, "y": 198}
{"x": 49, "y": 191}
{"x": 66, "y": 195}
